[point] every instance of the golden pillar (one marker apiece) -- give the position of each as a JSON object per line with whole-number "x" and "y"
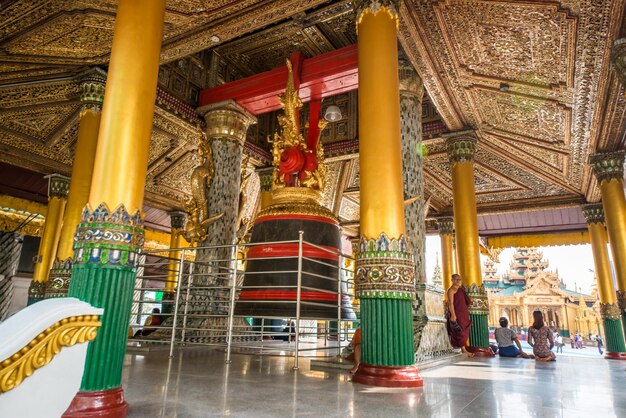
{"x": 461, "y": 147}
{"x": 58, "y": 186}
{"x": 110, "y": 235}
{"x": 177, "y": 222}
{"x": 385, "y": 298}
{"x": 615, "y": 347}
{"x": 266, "y": 179}
{"x": 609, "y": 170}
{"x": 446, "y": 234}
{"x": 92, "y": 86}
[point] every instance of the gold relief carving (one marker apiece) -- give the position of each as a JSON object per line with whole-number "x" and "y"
{"x": 331, "y": 188}
{"x": 525, "y": 116}
{"x": 197, "y": 206}
{"x": 349, "y": 210}
{"x": 199, "y": 37}
{"x": 39, "y": 123}
{"x": 42, "y": 349}
{"x": 81, "y": 37}
{"x": 25, "y": 223}
{"x": 572, "y": 76}
{"x": 38, "y": 94}
{"x": 531, "y": 43}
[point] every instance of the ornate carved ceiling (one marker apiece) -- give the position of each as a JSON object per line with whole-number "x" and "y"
{"x": 531, "y": 78}
{"x": 37, "y": 35}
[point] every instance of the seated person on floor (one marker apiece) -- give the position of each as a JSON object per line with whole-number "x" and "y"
{"x": 540, "y": 339}
{"x": 153, "y": 320}
{"x": 356, "y": 347}
{"x": 507, "y": 340}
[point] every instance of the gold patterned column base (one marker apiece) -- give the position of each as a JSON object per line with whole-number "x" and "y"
{"x": 478, "y": 299}
{"x": 610, "y": 311}
{"x": 384, "y": 269}
{"x": 36, "y": 292}
{"x": 58, "y": 282}
{"x": 621, "y": 300}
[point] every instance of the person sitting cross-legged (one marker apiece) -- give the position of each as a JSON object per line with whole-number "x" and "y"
{"x": 540, "y": 339}
{"x": 507, "y": 340}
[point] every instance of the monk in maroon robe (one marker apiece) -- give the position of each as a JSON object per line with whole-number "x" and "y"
{"x": 458, "y": 321}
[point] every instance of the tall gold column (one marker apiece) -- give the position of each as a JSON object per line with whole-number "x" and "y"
{"x": 610, "y": 312}
{"x": 385, "y": 274}
{"x": 446, "y": 234}
{"x": 57, "y": 198}
{"x": 609, "y": 170}
{"x": 110, "y": 234}
{"x": 92, "y": 95}
{"x": 177, "y": 221}
{"x": 461, "y": 147}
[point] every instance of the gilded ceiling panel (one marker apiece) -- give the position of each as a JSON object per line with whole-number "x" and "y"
{"x": 530, "y": 77}
{"x": 349, "y": 210}
{"x": 85, "y": 37}
{"x": 527, "y": 43}
{"x": 70, "y": 32}
{"x": 39, "y": 123}
{"x": 333, "y": 171}
{"x": 537, "y": 118}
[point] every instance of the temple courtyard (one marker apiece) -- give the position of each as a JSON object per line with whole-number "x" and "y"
{"x": 197, "y": 383}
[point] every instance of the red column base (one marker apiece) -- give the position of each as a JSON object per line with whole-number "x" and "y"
{"x": 615, "y": 356}
{"x": 481, "y": 351}
{"x": 101, "y": 404}
{"x": 388, "y": 376}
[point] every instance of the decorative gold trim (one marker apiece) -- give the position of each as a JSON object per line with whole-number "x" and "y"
{"x": 41, "y": 350}
{"x": 610, "y": 311}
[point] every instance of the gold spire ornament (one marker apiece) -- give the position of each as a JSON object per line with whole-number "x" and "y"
{"x": 295, "y": 165}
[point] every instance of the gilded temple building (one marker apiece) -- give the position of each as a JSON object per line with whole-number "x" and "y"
{"x": 180, "y": 179}
{"x": 529, "y": 286}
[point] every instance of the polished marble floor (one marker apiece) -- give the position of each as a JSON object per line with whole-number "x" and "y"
{"x": 197, "y": 383}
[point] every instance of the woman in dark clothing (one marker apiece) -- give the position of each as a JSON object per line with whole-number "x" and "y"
{"x": 458, "y": 321}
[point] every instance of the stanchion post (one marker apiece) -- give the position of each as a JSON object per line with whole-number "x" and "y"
{"x": 339, "y": 296}
{"x": 179, "y": 280}
{"x": 231, "y": 310}
{"x": 298, "y": 295}
{"x": 189, "y": 283}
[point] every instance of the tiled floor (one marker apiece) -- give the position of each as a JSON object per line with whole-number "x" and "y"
{"x": 199, "y": 384}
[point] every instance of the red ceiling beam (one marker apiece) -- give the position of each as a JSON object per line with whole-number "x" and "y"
{"x": 324, "y": 75}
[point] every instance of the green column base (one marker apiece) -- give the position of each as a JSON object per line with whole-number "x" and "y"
{"x": 479, "y": 332}
{"x": 109, "y": 287}
{"x": 387, "y": 332}
{"x": 614, "y": 336}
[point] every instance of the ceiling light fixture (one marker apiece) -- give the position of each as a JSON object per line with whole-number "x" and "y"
{"x": 333, "y": 114}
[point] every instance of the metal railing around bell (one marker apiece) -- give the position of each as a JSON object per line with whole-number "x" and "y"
{"x": 157, "y": 269}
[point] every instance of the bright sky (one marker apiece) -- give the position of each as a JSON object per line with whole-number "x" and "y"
{"x": 573, "y": 262}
